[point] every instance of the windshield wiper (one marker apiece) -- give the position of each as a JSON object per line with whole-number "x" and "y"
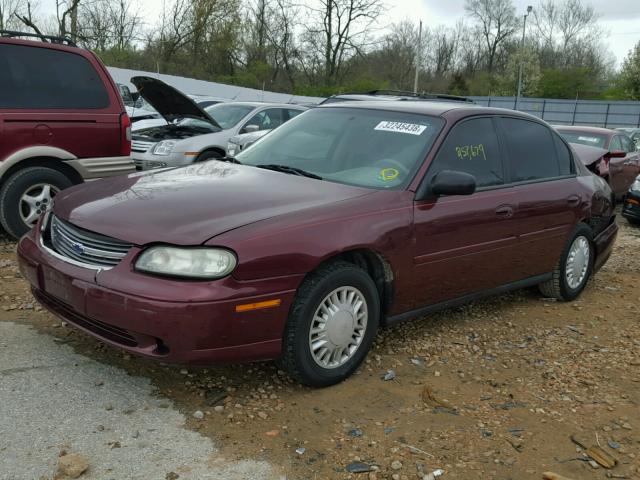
{"x": 290, "y": 170}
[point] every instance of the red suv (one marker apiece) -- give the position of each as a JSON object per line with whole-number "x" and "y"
{"x": 62, "y": 121}
{"x": 346, "y": 218}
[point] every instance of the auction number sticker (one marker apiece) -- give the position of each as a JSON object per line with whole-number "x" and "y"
{"x": 399, "y": 127}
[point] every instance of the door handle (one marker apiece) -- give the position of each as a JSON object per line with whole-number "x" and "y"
{"x": 504, "y": 211}
{"x": 573, "y": 200}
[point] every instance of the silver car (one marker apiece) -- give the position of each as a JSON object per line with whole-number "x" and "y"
{"x": 193, "y": 134}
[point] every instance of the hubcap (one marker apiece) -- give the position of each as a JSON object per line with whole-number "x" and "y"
{"x": 577, "y": 262}
{"x": 338, "y": 327}
{"x": 35, "y": 201}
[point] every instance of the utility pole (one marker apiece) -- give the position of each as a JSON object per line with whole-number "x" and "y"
{"x": 524, "y": 30}
{"x": 418, "y": 55}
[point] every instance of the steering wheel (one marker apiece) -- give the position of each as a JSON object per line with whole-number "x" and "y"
{"x": 391, "y": 163}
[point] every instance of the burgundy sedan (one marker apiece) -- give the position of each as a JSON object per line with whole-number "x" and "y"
{"x": 620, "y": 164}
{"x": 345, "y": 219}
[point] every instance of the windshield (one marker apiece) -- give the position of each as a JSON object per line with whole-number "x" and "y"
{"x": 228, "y": 114}
{"x": 367, "y": 148}
{"x": 584, "y": 138}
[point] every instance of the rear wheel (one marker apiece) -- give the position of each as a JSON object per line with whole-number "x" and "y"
{"x": 331, "y": 326}
{"x": 574, "y": 268}
{"x": 26, "y": 195}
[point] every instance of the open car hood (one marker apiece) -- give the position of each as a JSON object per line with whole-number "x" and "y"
{"x": 588, "y": 155}
{"x": 170, "y": 102}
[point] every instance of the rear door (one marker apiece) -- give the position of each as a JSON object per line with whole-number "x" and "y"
{"x": 541, "y": 170}
{"x": 56, "y": 98}
{"x": 465, "y": 244}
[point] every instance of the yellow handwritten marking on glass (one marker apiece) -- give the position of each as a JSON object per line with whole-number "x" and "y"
{"x": 389, "y": 174}
{"x": 471, "y": 151}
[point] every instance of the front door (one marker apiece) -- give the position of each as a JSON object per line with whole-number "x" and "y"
{"x": 465, "y": 244}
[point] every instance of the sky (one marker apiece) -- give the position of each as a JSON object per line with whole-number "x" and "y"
{"x": 619, "y": 18}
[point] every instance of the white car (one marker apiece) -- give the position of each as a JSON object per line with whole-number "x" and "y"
{"x": 193, "y": 134}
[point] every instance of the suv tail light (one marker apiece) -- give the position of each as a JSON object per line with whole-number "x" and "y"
{"x": 125, "y": 135}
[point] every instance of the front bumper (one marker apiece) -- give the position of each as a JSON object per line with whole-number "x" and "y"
{"x": 190, "y": 332}
{"x": 631, "y": 207}
{"x": 149, "y": 161}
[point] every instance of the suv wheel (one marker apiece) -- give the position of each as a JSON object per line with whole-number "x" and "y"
{"x": 331, "y": 326}
{"x": 574, "y": 268}
{"x": 26, "y": 195}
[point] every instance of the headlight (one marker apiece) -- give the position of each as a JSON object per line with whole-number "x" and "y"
{"x": 199, "y": 263}
{"x": 635, "y": 186}
{"x": 164, "y": 147}
{"x": 232, "y": 149}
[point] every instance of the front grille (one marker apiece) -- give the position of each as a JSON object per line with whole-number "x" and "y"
{"x": 141, "y": 146}
{"x": 86, "y": 247}
{"x": 105, "y": 330}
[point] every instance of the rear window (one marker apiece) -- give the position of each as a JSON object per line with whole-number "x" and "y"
{"x": 584, "y": 138}
{"x": 43, "y": 78}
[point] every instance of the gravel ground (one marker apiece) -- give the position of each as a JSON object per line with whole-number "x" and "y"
{"x": 493, "y": 390}
{"x": 53, "y": 400}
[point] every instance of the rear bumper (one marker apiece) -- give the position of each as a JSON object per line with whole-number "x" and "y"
{"x": 604, "y": 243}
{"x": 189, "y": 332}
{"x": 91, "y": 168}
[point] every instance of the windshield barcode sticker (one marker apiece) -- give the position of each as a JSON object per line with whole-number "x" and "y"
{"x": 399, "y": 127}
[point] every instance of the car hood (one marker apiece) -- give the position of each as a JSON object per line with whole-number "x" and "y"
{"x": 586, "y": 154}
{"x": 190, "y": 205}
{"x": 169, "y": 102}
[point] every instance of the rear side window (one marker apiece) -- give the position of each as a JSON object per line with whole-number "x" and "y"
{"x": 43, "y": 78}
{"x": 471, "y": 147}
{"x": 565, "y": 160}
{"x": 628, "y": 145}
{"x": 531, "y": 152}
{"x": 616, "y": 144}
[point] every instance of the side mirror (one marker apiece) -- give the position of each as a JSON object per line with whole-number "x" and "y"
{"x": 251, "y": 129}
{"x": 135, "y": 96}
{"x": 616, "y": 154}
{"x": 453, "y": 182}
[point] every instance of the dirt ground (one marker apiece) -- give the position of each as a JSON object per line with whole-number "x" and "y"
{"x": 493, "y": 390}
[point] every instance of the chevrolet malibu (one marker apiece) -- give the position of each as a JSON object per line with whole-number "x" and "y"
{"x": 348, "y": 218}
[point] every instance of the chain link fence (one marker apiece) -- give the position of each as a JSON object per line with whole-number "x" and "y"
{"x": 598, "y": 113}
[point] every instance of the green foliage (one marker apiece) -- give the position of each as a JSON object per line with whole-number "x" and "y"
{"x": 568, "y": 83}
{"x": 629, "y": 81}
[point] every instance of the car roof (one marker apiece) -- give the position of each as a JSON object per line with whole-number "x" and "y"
{"x": 585, "y": 128}
{"x": 268, "y": 104}
{"x": 432, "y": 108}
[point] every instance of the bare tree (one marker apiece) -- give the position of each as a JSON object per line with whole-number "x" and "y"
{"x": 8, "y": 14}
{"x": 340, "y": 31}
{"x": 498, "y": 22}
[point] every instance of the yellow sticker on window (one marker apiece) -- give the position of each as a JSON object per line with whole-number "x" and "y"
{"x": 388, "y": 174}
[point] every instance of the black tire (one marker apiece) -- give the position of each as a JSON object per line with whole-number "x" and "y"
{"x": 633, "y": 222}
{"x": 558, "y": 286}
{"x": 208, "y": 155}
{"x": 297, "y": 358}
{"x": 14, "y": 188}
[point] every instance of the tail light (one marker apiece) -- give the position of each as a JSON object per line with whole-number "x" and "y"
{"x": 125, "y": 135}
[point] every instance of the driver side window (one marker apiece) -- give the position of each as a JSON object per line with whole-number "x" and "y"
{"x": 266, "y": 119}
{"x": 471, "y": 147}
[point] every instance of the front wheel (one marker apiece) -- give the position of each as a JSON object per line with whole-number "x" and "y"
{"x": 331, "y": 325}
{"x": 574, "y": 269}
